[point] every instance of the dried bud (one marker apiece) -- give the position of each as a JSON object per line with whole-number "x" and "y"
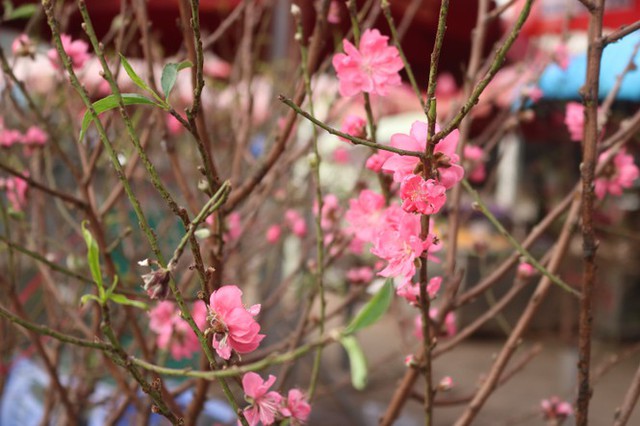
{"x": 156, "y": 283}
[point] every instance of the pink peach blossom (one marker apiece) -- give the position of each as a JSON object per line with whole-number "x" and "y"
{"x": 621, "y": 173}
{"x": 362, "y": 275}
{"x": 296, "y": 223}
{"x": 232, "y": 324}
{"x": 371, "y": 69}
{"x": 525, "y": 270}
{"x": 574, "y": 119}
{"x": 449, "y": 171}
{"x": 446, "y": 85}
{"x": 34, "y": 137}
{"x": 77, "y": 50}
{"x": 296, "y": 407}
{"x": 16, "y": 191}
{"x": 273, "y": 234}
{"x": 400, "y": 248}
{"x": 264, "y": 403}
{"x": 422, "y": 196}
{"x": 411, "y": 291}
{"x": 377, "y": 160}
{"x": 341, "y": 155}
{"x": 475, "y": 155}
{"x": 364, "y": 215}
{"x": 555, "y": 409}
{"x": 173, "y": 332}
{"x": 449, "y": 323}
{"x": 354, "y": 126}
{"x": 333, "y": 17}
{"x": 23, "y": 46}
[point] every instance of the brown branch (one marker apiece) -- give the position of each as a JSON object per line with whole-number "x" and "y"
{"x": 589, "y": 243}
{"x": 619, "y": 33}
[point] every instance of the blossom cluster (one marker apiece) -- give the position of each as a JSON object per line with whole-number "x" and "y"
{"x": 233, "y": 326}
{"x": 269, "y": 406}
{"x": 32, "y": 138}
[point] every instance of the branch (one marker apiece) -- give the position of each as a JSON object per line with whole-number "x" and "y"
{"x": 355, "y": 140}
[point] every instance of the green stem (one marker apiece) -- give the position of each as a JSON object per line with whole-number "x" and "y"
{"x": 481, "y": 207}
{"x": 315, "y": 166}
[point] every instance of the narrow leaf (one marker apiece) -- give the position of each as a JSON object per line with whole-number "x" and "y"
{"x": 111, "y": 102}
{"x": 121, "y": 299}
{"x": 137, "y": 80}
{"x": 84, "y": 299}
{"x": 170, "y": 75}
{"x": 113, "y": 286}
{"x": 374, "y": 309}
{"x": 23, "y": 12}
{"x": 93, "y": 257}
{"x": 357, "y": 362}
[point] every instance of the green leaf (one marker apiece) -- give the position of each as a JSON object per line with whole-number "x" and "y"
{"x": 113, "y": 286}
{"x": 357, "y": 362}
{"x": 374, "y": 309}
{"x": 111, "y": 102}
{"x": 121, "y": 299}
{"x": 170, "y": 75}
{"x": 84, "y": 299}
{"x": 93, "y": 257}
{"x": 22, "y": 12}
{"x": 133, "y": 75}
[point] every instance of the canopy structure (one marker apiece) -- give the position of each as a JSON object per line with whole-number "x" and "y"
{"x": 559, "y": 84}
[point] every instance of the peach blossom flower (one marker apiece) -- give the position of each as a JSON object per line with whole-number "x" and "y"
{"x": 264, "y": 403}
{"x": 77, "y": 50}
{"x": 232, "y": 324}
{"x": 619, "y": 174}
{"x": 422, "y": 196}
{"x": 273, "y": 234}
{"x": 296, "y": 407}
{"x": 23, "y": 46}
{"x": 372, "y": 68}
{"x": 475, "y": 155}
{"x": 449, "y": 171}
{"x": 355, "y": 126}
{"x": 574, "y": 119}
{"x": 174, "y": 333}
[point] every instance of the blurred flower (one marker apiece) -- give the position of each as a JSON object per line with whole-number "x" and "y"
{"x": 273, "y": 234}
{"x": 296, "y": 407}
{"x": 475, "y": 156}
{"x": 77, "y": 50}
{"x": 377, "y": 160}
{"x": 354, "y": 126}
{"x": 333, "y": 17}
{"x": 341, "y": 155}
{"x": 574, "y": 119}
{"x": 446, "y": 383}
{"x": 619, "y": 174}
{"x": 174, "y": 333}
{"x": 23, "y": 46}
{"x": 16, "y": 191}
{"x": 372, "y": 68}
{"x": 296, "y": 223}
{"x": 555, "y": 409}
{"x": 362, "y": 275}
{"x": 525, "y": 271}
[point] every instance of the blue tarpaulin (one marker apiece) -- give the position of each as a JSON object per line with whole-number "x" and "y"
{"x": 557, "y": 83}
